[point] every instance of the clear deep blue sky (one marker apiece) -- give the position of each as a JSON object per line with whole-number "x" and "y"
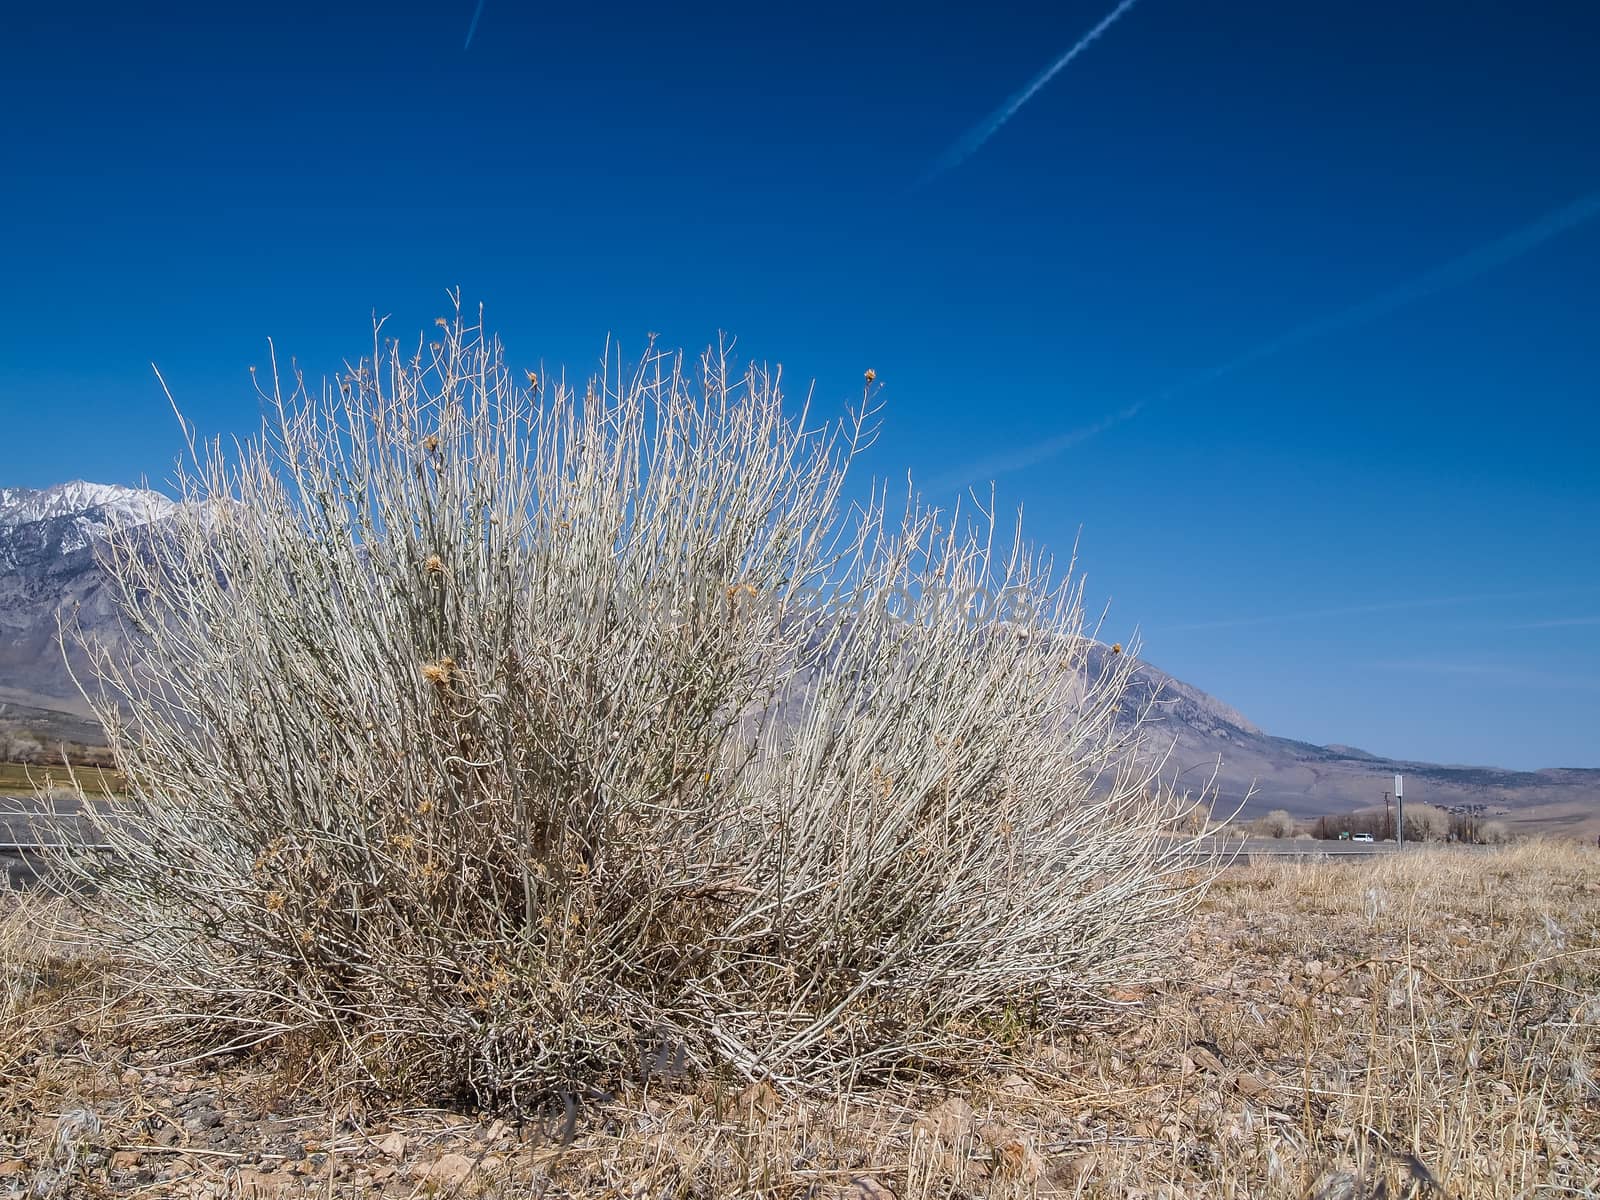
{"x": 1357, "y": 498}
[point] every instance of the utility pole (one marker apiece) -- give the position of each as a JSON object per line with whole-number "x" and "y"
{"x": 1388, "y": 817}
{"x": 1400, "y": 807}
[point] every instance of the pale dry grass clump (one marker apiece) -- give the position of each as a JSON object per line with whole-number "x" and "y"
{"x": 515, "y": 742}
{"x": 1442, "y": 1006}
{"x": 49, "y": 995}
{"x": 32, "y": 966}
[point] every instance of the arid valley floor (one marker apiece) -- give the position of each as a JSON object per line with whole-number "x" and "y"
{"x": 1429, "y": 1023}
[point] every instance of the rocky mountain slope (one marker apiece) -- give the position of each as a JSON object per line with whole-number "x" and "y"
{"x": 49, "y": 564}
{"x": 50, "y": 567}
{"x": 1307, "y": 780}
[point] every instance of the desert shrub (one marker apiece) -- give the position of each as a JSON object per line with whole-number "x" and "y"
{"x": 1276, "y": 824}
{"x": 1427, "y": 823}
{"x": 1496, "y": 833}
{"x": 508, "y": 739}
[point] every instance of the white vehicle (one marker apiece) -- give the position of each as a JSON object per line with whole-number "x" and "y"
{"x": 1361, "y": 837}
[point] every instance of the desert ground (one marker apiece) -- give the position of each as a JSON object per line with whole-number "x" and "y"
{"x": 1425, "y": 1024}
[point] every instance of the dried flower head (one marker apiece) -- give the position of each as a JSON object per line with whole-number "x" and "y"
{"x": 440, "y": 673}
{"x": 1116, "y": 647}
{"x": 533, "y": 380}
{"x": 871, "y": 374}
{"x": 274, "y": 901}
{"x": 433, "y": 564}
{"x": 431, "y": 442}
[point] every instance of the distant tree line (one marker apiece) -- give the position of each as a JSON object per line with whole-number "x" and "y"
{"x": 27, "y": 751}
{"x": 1424, "y": 823}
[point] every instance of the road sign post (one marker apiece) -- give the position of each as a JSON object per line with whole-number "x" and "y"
{"x": 1400, "y": 811}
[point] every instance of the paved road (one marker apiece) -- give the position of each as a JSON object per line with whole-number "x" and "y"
{"x": 23, "y": 821}
{"x": 21, "y": 827}
{"x": 1274, "y": 849}
{"x": 1292, "y": 847}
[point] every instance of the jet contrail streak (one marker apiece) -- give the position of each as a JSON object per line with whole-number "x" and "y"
{"x": 1459, "y": 270}
{"x": 979, "y": 134}
{"x": 1359, "y": 610}
{"x": 473, "y": 28}
{"x": 1003, "y": 464}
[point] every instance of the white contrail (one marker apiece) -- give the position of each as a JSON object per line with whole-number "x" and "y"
{"x": 1459, "y": 270}
{"x": 473, "y": 27}
{"x": 1016, "y": 460}
{"x": 1386, "y": 606}
{"x": 980, "y": 134}
{"x": 1558, "y": 623}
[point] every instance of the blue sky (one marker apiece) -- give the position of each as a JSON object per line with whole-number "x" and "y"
{"x": 1331, "y": 452}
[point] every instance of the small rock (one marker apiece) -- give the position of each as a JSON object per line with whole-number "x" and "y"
{"x": 1016, "y": 1086}
{"x": 253, "y": 1182}
{"x": 1074, "y": 1171}
{"x": 1014, "y": 1155}
{"x": 759, "y": 1100}
{"x": 1252, "y": 1086}
{"x": 448, "y": 1170}
{"x": 393, "y": 1146}
{"x": 950, "y": 1122}
{"x": 125, "y": 1160}
{"x": 1337, "y": 1185}
{"x": 865, "y": 1187}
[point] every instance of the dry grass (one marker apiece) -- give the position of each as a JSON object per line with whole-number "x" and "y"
{"x": 1430, "y": 1017}
{"x": 25, "y": 779}
{"x": 36, "y": 969}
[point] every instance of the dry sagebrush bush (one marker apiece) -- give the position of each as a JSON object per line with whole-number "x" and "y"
{"x": 511, "y": 740}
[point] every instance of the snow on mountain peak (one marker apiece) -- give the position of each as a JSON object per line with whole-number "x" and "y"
{"x": 100, "y": 504}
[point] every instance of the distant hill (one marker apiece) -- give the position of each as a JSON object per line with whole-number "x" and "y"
{"x": 1306, "y": 779}
{"x": 50, "y": 545}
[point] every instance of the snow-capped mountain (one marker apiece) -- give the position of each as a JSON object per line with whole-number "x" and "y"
{"x": 74, "y": 515}
{"x": 50, "y": 567}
